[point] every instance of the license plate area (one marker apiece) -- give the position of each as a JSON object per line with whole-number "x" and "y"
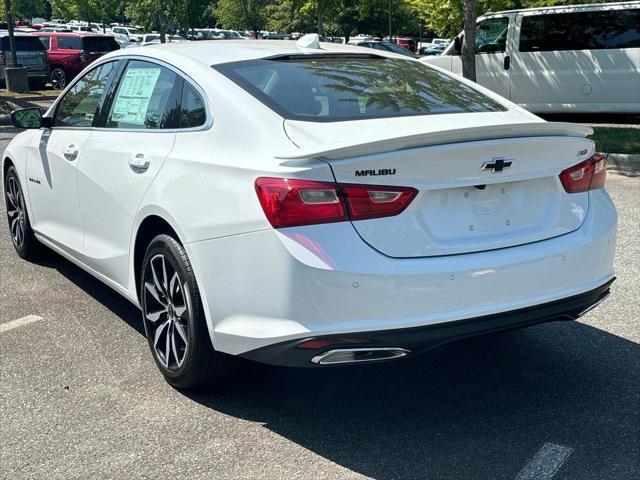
{"x": 488, "y": 211}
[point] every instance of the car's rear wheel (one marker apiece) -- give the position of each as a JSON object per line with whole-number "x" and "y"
{"x": 174, "y": 319}
{"x": 58, "y": 78}
{"x": 22, "y": 237}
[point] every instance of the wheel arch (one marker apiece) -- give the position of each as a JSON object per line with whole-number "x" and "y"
{"x": 148, "y": 228}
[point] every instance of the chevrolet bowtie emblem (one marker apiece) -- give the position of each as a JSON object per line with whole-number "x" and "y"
{"x": 497, "y": 164}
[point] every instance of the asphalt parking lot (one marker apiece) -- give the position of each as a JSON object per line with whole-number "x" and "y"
{"x": 80, "y": 396}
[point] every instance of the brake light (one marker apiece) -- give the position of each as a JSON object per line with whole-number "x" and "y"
{"x": 588, "y": 175}
{"x": 291, "y": 202}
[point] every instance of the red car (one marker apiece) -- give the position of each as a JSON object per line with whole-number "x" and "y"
{"x": 69, "y": 53}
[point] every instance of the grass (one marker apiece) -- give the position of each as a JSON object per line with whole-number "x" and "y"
{"x": 617, "y": 140}
{"x": 32, "y": 95}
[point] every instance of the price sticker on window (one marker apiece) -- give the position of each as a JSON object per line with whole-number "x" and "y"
{"x": 132, "y": 101}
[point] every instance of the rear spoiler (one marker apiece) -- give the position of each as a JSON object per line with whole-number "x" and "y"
{"x": 337, "y": 151}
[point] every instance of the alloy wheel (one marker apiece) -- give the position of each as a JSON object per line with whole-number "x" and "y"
{"x": 16, "y": 212}
{"x": 166, "y": 312}
{"x": 58, "y": 79}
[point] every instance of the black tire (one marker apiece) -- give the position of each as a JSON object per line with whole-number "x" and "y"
{"x": 201, "y": 365}
{"x": 58, "y": 78}
{"x": 22, "y": 237}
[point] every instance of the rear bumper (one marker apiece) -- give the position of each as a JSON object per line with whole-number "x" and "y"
{"x": 420, "y": 339}
{"x": 276, "y": 287}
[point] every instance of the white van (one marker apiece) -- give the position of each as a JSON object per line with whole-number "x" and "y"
{"x": 579, "y": 58}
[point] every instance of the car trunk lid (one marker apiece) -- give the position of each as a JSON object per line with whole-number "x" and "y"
{"x": 479, "y": 188}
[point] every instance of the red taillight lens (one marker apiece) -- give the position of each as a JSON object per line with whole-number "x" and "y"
{"x": 290, "y": 202}
{"x": 588, "y": 175}
{"x": 374, "y": 201}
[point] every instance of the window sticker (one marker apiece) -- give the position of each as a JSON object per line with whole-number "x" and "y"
{"x": 134, "y": 95}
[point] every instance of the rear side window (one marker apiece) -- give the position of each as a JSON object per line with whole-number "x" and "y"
{"x": 337, "y": 87}
{"x": 70, "y": 43}
{"x": 148, "y": 97}
{"x": 99, "y": 44}
{"x": 23, "y": 44}
{"x": 192, "y": 113}
{"x": 580, "y": 31}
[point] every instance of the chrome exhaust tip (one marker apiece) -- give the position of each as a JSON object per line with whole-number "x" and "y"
{"x": 358, "y": 355}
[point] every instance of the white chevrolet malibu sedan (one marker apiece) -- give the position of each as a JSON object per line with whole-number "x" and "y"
{"x": 305, "y": 204}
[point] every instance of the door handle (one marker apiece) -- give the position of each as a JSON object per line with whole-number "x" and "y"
{"x": 139, "y": 163}
{"x": 71, "y": 153}
{"x": 507, "y": 62}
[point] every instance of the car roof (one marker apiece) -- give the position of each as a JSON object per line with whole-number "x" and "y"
{"x": 213, "y": 52}
{"x": 588, "y": 6}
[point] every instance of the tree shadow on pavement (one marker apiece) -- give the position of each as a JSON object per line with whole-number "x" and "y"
{"x": 473, "y": 409}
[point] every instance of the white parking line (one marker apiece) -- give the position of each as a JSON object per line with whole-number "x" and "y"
{"x": 19, "y": 322}
{"x": 546, "y": 463}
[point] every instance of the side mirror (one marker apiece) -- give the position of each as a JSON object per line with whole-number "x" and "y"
{"x": 27, "y": 118}
{"x": 457, "y": 45}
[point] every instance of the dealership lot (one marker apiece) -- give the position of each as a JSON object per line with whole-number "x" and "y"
{"x": 81, "y": 397}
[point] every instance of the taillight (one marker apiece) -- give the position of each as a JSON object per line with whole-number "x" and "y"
{"x": 291, "y": 202}
{"x": 374, "y": 201}
{"x": 588, "y": 175}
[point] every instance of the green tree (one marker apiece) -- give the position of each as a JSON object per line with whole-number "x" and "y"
{"x": 86, "y": 10}
{"x": 242, "y": 14}
{"x": 23, "y": 9}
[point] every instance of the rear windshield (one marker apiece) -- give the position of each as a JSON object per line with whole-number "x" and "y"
{"x": 23, "y": 44}
{"x": 99, "y": 44}
{"x": 335, "y": 88}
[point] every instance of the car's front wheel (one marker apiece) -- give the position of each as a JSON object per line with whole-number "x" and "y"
{"x": 22, "y": 237}
{"x": 174, "y": 319}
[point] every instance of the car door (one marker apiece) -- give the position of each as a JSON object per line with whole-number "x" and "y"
{"x": 135, "y": 135}
{"x": 53, "y": 158}
{"x": 492, "y": 59}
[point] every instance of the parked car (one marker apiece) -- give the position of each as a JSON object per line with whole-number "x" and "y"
{"x": 154, "y": 38}
{"x": 131, "y": 33}
{"x": 30, "y": 54}
{"x": 404, "y": 42}
{"x": 433, "y": 50}
{"x": 80, "y": 28}
{"x": 69, "y": 53}
{"x": 55, "y": 29}
{"x": 387, "y": 47}
{"x": 380, "y": 207}
{"x": 571, "y": 59}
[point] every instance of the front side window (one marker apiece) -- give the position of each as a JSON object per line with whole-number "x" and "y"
{"x": 148, "y": 97}
{"x": 491, "y": 35}
{"x": 353, "y": 87}
{"x": 595, "y": 30}
{"x": 79, "y": 105}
